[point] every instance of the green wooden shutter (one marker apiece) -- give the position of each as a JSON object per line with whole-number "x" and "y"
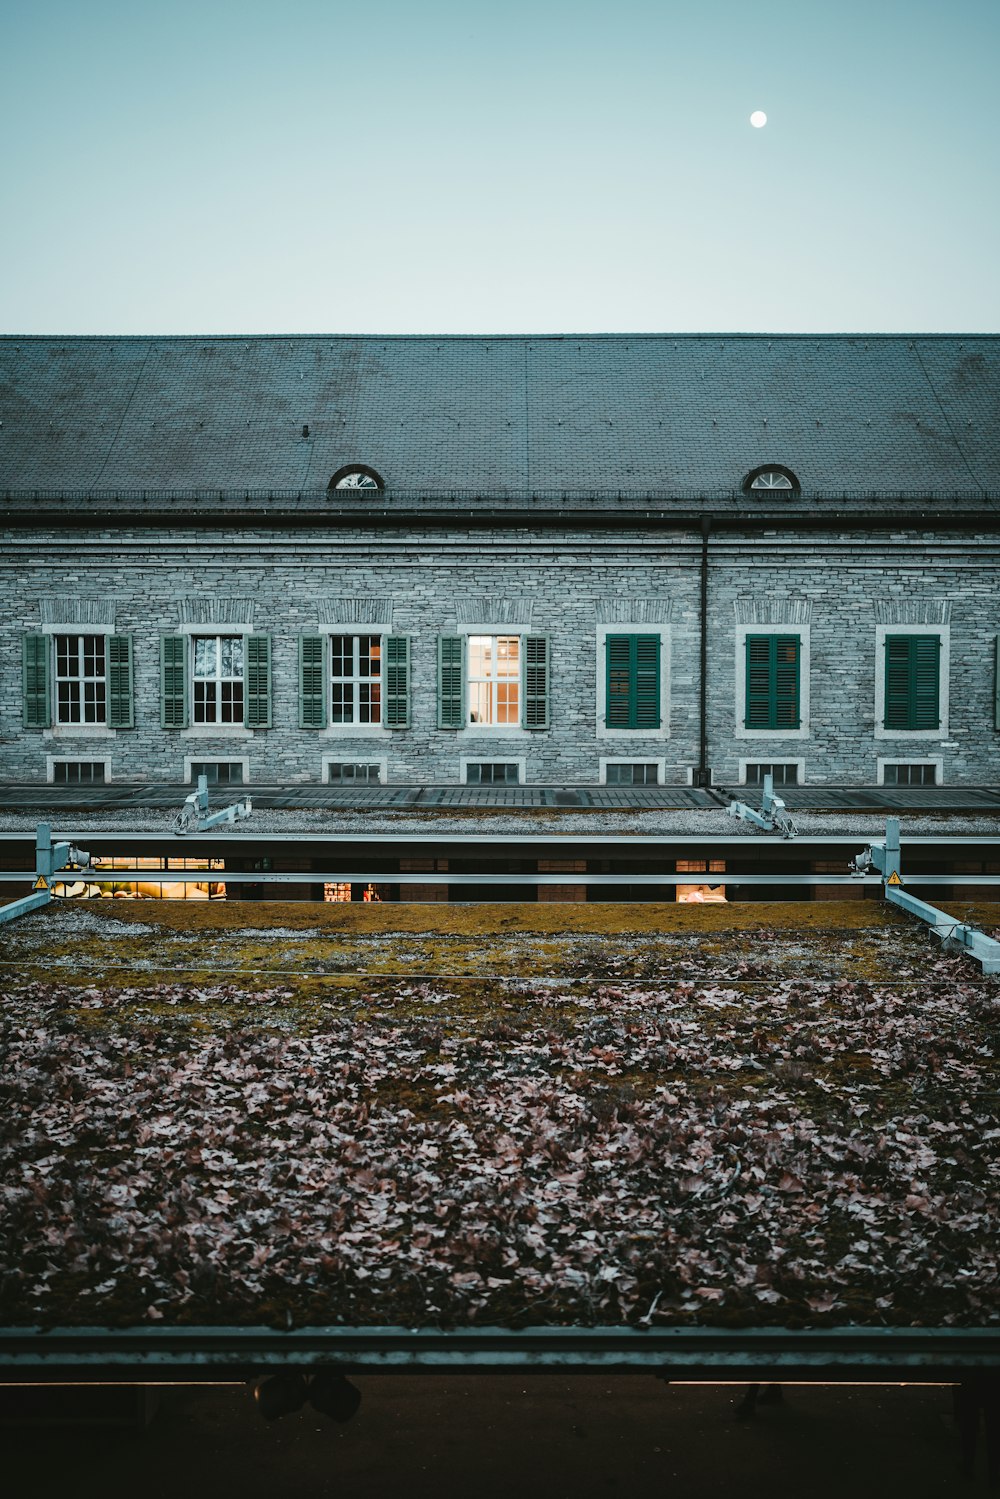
{"x": 772, "y": 681}
{"x": 647, "y": 681}
{"x": 312, "y": 682}
{"x": 535, "y": 710}
{"x": 618, "y": 707}
{"x": 451, "y": 682}
{"x": 912, "y": 681}
{"x": 758, "y": 696}
{"x": 996, "y": 683}
{"x": 926, "y": 669}
{"x": 257, "y": 694}
{"x": 633, "y": 682}
{"x": 786, "y": 682}
{"x": 397, "y": 682}
{"x": 121, "y": 711}
{"x": 35, "y": 681}
{"x": 173, "y": 681}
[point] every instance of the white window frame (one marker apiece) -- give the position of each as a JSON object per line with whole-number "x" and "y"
{"x": 498, "y": 759}
{"x": 75, "y": 730}
{"x": 633, "y": 736}
{"x": 907, "y": 736}
{"x": 741, "y": 731}
{"x": 190, "y": 761}
{"x": 376, "y": 730}
{"x": 475, "y": 733}
{"x": 219, "y": 680}
{"x": 355, "y": 680}
{"x": 903, "y": 759}
{"x": 380, "y": 760}
{"x": 607, "y": 760}
{"x": 51, "y": 761}
{"x": 79, "y": 635}
{"x": 762, "y": 759}
{"x": 494, "y": 679}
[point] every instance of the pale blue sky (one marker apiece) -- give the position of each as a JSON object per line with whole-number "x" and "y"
{"x": 499, "y": 166}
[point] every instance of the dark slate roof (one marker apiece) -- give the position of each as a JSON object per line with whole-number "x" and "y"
{"x": 632, "y": 414}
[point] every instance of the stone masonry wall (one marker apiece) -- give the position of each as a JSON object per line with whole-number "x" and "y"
{"x": 832, "y": 589}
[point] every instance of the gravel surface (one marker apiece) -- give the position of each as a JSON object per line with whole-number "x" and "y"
{"x": 714, "y": 823}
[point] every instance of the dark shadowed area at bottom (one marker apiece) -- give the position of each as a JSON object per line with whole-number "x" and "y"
{"x": 429, "y": 1437}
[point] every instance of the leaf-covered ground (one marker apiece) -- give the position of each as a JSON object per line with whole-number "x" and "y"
{"x": 505, "y": 1115}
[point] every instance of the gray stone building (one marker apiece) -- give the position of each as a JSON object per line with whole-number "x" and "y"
{"x": 464, "y": 560}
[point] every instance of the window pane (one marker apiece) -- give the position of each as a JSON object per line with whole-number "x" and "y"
{"x": 479, "y": 655}
{"x": 65, "y": 653}
{"x": 204, "y": 702}
{"x": 508, "y": 655}
{"x": 480, "y": 702}
{"x": 342, "y": 655}
{"x": 341, "y": 703}
{"x": 507, "y": 695}
{"x": 205, "y": 656}
{"x": 232, "y": 702}
{"x": 232, "y": 656}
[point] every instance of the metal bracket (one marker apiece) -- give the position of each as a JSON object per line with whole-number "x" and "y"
{"x": 194, "y": 816}
{"x": 49, "y": 859}
{"x": 954, "y": 936}
{"x": 773, "y": 815}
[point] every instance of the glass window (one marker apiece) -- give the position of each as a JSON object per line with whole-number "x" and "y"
{"x": 357, "y": 476}
{"x": 639, "y": 773}
{"x": 81, "y": 679}
{"x": 218, "y": 772}
{"x": 781, "y": 774}
{"x": 356, "y": 679}
{"x": 74, "y": 772}
{"x": 912, "y": 774}
{"x": 353, "y": 775}
{"x": 494, "y": 679}
{"x": 485, "y": 773}
{"x": 218, "y": 679}
{"x": 771, "y": 477}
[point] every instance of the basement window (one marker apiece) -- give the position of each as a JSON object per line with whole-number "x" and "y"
{"x": 217, "y": 772}
{"x": 633, "y": 773}
{"x": 79, "y": 772}
{"x": 782, "y": 773}
{"x": 910, "y": 773}
{"x": 353, "y": 773}
{"x": 492, "y": 773}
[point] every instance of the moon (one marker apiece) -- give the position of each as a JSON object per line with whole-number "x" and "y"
{"x": 758, "y": 119}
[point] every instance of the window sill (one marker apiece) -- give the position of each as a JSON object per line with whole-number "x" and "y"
{"x": 79, "y": 731}
{"x": 355, "y": 731}
{"x": 909, "y": 735}
{"x": 802, "y": 733}
{"x": 216, "y": 731}
{"x": 491, "y": 730}
{"x": 632, "y": 736}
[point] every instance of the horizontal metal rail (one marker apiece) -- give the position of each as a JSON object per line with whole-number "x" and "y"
{"x": 873, "y": 1352}
{"x": 336, "y": 501}
{"x": 233, "y": 837}
{"x": 442, "y": 877}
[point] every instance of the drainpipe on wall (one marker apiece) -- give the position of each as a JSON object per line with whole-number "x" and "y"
{"x": 703, "y": 775}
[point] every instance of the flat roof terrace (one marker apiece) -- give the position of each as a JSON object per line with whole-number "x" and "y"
{"x": 416, "y": 1118}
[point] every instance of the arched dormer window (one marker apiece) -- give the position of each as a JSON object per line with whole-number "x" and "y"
{"x": 772, "y": 478}
{"x": 357, "y": 476}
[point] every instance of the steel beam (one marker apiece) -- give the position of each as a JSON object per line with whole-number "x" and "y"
{"x": 872, "y": 1352}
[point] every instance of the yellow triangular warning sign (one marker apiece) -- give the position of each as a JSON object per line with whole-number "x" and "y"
{"x": 894, "y": 879}
{"x": 41, "y": 883}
